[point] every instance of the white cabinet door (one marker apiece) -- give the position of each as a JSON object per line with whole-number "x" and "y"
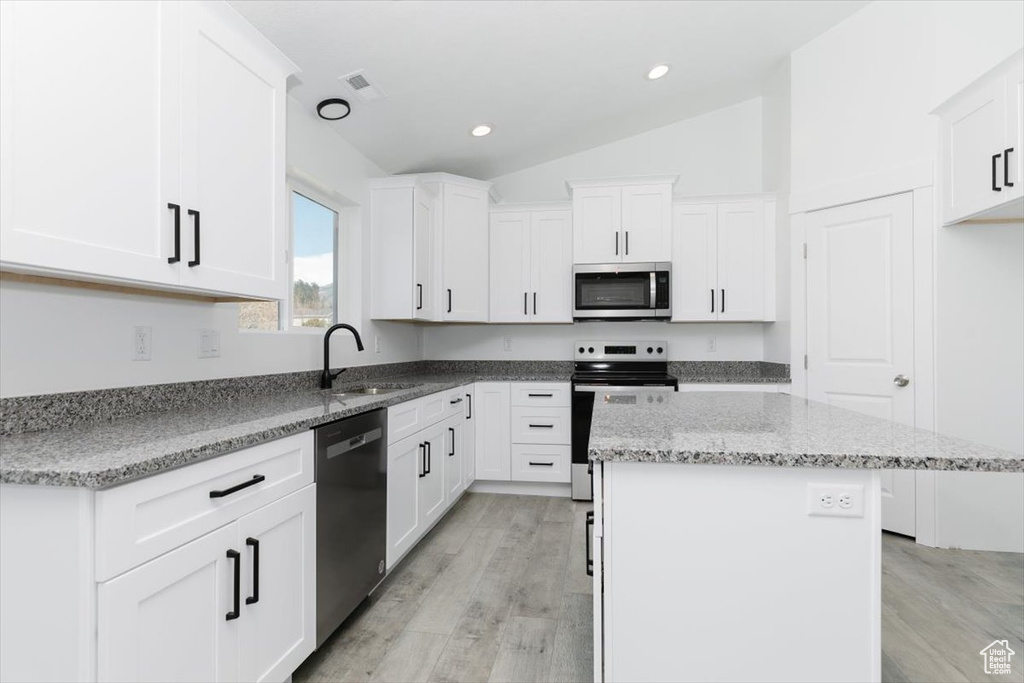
{"x": 88, "y": 137}
{"x": 695, "y": 262}
{"x": 510, "y": 267}
{"x": 596, "y": 224}
{"x": 1015, "y": 133}
{"x": 973, "y": 132}
{"x": 431, "y": 480}
{"x": 551, "y": 267}
{"x": 454, "y": 433}
{"x": 167, "y": 620}
{"x": 233, "y": 156}
{"x": 465, "y": 254}
{"x": 741, "y": 261}
{"x": 493, "y": 442}
{"x": 405, "y": 463}
{"x": 424, "y": 269}
{"x": 278, "y": 624}
{"x": 646, "y": 223}
{"x": 469, "y": 439}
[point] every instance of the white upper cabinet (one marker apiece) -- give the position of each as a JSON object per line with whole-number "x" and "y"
{"x": 622, "y": 220}
{"x": 531, "y": 266}
{"x": 723, "y": 260}
{"x": 152, "y": 139}
{"x": 404, "y": 269}
{"x": 464, "y": 253}
{"x": 981, "y": 130}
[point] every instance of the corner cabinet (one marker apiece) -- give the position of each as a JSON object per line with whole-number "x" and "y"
{"x": 429, "y": 246}
{"x": 625, "y": 220}
{"x": 155, "y": 179}
{"x": 531, "y": 265}
{"x": 980, "y": 134}
{"x": 723, "y": 260}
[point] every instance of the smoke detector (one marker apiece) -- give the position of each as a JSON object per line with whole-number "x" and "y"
{"x": 362, "y": 86}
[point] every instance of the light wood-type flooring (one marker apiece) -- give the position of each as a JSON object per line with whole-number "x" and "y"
{"x": 498, "y": 592}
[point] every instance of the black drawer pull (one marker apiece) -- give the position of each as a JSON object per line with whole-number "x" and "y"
{"x": 535, "y": 303}
{"x": 427, "y": 471}
{"x": 541, "y": 464}
{"x": 1006, "y": 169}
{"x": 995, "y": 160}
{"x": 195, "y": 216}
{"x": 177, "y": 233}
{"x": 238, "y": 487}
{"x": 712, "y": 301}
{"x": 723, "y": 301}
{"x": 525, "y": 298}
{"x": 255, "y": 597}
{"x": 452, "y": 431}
{"x": 590, "y": 560}
{"x": 533, "y": 426}
{"x": 540, "y": 395}
{"x": 423, "y": 460}
{"x": 449, "y": 301}
{"x": 237, "y": 557}
{"x": 419, "y": 294}
{"x": 469, "y": 406}
{"x": 454, "y": 401}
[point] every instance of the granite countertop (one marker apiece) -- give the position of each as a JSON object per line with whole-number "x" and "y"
{"x": 768, "y": 429}
{"x": 101, "y": 454}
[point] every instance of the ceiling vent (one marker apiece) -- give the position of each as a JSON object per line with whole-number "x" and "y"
{"x": 361, "y": 85}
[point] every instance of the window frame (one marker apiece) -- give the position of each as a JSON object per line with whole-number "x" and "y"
{"x": 285, "y": 319}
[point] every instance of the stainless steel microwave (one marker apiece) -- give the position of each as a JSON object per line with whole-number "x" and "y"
{"x": 622, "y": 291}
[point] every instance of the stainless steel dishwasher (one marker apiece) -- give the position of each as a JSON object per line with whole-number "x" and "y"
{"x": 351, "y": 515}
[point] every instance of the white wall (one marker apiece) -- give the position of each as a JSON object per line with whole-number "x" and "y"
{"x": 861, "y": 97}
{"x": 55, "y": 339}
{"x": 715, "y": 153}
{"x": 776, "y": 178}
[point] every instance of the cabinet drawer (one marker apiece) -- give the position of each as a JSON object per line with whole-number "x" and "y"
{"x": 455, "y": 402}
{"x": 536, "y": 394}
{"x": 405, "y": 419}
{"x": 541, "y": 425}
{"x": 136, "y": 522}
{"x": 435, "y": 408}
{"x": 535, "y": 462}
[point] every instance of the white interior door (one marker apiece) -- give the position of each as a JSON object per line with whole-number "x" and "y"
{"x": 695, "y": 262}
{"x": 646, "y": 223}
{"x": 551, "y": 266}
{"x": 510, "y": 267}
{"x": 860, "y": 313}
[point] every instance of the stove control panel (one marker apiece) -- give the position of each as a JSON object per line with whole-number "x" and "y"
{"x": 621, "y": 350}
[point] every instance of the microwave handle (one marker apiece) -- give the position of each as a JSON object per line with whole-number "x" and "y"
{"x": 654, "y": 291}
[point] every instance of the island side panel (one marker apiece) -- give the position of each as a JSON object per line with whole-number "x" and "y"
{"x": 719, "y": 573}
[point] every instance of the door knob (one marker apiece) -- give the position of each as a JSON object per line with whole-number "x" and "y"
{"x": 901, "y": 380}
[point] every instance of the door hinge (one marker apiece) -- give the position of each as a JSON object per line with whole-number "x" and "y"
{"x": 805, "y": 250}
{"x": 805, "y": 361}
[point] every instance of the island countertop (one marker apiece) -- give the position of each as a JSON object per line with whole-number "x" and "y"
{"x": 768, "y": 429}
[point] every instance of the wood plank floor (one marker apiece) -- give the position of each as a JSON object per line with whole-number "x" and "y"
{"x": 498, "y": 592}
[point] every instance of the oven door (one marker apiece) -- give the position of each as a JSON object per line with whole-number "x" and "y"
{"x": 603, "y": 292}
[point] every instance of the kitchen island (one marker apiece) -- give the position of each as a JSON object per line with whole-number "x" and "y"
{"x": 738, "y": 536}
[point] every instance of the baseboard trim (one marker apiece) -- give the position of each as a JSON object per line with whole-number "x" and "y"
{"x": 522, "y": 488}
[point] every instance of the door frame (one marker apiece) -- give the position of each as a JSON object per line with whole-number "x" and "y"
{"x": 919, "y": 180}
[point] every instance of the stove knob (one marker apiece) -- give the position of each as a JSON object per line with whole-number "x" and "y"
{"x": 650, "y": 350}
{"x": 650, "y": 399}
{"x": 661, "y": 399}
{"x": 582, "y": 349}
{"x": 590, "y": 350}
{"x": 660, "y": 349}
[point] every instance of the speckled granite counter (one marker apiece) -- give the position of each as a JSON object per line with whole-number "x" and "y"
{"x": 101, "y": 454}
{"x": 770, "y": 429}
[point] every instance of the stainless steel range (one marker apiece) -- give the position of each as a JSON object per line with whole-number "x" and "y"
{"x": 611, "y": 371}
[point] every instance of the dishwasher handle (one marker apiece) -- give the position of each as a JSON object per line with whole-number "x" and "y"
{"x": 589, "y": 527}
{"x": 352, "y": 443}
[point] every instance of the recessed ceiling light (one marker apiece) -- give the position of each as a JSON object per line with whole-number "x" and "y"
{"x": 657, "y": 72}
{"x": 480, "y": 130}
{"x": 333, "y": 109}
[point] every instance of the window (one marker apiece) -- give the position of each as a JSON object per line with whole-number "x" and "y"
{"x": 314, "y": 268}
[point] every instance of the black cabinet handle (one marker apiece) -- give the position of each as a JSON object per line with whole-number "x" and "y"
{"x": 590, "y": 525}
{"x": 423, "y": 460}
{"x": 419, "y": 293}
{"x": 723, "y": 301}
{"x": 454, "y": 401}
{"x": 451, "y": 430}
{"x": 428, "y": 457}
{"x": 1006, "y": 167}
{"x": 177, "y": 233}
{"x": 540, "y": 395}
{"x": 535, "y": 303}
{"x": 257, "y": 478}
{"x": 255, "y": 597}
{"x": 995, "y": 160}
{"x": 616, "y": 243}
{"x": 525, "y": 295}
{"x": 712, "y": 301}
{"x": 627, "y": 243}
{"x": 469, "y": 406}
{"x": 195, "y": 222}
{"x": 449, "y": 301}
{"x": 533, "y": 426}
{"x": 237, "y": 557}
{"x": 542, "y": 464}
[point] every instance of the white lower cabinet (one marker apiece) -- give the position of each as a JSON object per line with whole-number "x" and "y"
{"x": 469, "y": 439}
{"x": 493, "y": 454}
{"x": 199, "y": 613}
{"x": 405, "y": 463}
{"x": 455, "y": 484}
{"x": 431, "y": 478}
{"x": 541, "y": 462}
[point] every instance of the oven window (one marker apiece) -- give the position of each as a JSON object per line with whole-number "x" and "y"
{"x": 613, "y": 291}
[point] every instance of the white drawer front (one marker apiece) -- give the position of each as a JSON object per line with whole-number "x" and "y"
{"x": 137, "y": 521}
{"x": 534, "y": 462}
{"x": 455, "y": 403}
{"x": 541, "y": 425}
{"x": 435, "y": 409}
{"x": 405, "y": 419}
{"x": 541, "y": 394}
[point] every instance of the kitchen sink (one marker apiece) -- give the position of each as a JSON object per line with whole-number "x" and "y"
{"x": 374, "y": 391}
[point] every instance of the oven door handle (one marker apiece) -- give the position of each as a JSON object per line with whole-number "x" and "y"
{"x": 605, "y": 389}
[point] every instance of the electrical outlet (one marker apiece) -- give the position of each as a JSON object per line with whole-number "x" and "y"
{"x": 835, "y": 500}
{"x": 376, "y": 344}
{"x": 507, "y": 343}
{"x": 712, "y": 344}
{"x": 142, "y": 343}
{"x": 209, "y": 344}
